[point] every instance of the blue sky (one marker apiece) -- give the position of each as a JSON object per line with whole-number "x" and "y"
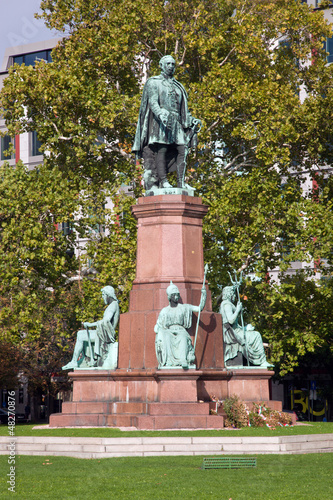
{"x": 18, "y": 25}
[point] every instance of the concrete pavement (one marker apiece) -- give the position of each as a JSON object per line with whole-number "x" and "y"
{"x": 83, "y": 447}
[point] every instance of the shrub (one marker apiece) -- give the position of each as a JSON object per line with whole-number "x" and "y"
{"x": 237, "y": 414}
{"x": 261, "y": 415}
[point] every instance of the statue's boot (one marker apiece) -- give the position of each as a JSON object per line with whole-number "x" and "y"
{"x": 165, "y": 184}
{"x": 94, "y": 362}
{"x": 71, "y": 365}
{"x": 162, "y": 174}
{"x": 181, "y": 175}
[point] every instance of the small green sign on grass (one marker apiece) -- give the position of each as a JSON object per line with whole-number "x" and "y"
{"x": 229, "y": 462}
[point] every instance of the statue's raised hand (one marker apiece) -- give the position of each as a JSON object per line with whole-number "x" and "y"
{"x": 239, "y": 306}
{"x": 197, "y": 124}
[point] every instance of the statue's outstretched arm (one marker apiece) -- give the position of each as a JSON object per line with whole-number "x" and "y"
{"x": 90, "y": 325}
{"x": 202, "y": 301}
{"x": 203, "y": 298}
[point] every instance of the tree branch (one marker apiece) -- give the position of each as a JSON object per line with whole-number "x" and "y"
{"x": 183, "y": 58}
{"x": 227, "y": 56}
{"x": 246, "y": 264}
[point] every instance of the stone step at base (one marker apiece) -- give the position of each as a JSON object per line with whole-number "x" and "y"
{"x": 107, "y": 407}
{"x": 147, "y": 422}
{"x": 92, "y": 420}
{"x": 85, "y": 407}
{"x": 159, "y": 422}
{"x": 80, "y": 420}
{"x": 178, "y": 409}
{"x": 136, "y": 408}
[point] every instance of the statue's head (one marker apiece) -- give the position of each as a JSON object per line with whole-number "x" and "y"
{"x": 108, "y": 291}
{"x": 167, "y": 65}
{"x": 228, "y": 292}
{"x": 171, "y": 290}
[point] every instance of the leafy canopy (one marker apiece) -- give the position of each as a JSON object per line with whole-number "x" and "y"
{"x": 245, "y": 64}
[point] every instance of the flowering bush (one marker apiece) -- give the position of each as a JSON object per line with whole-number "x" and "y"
{"x": 238, "y": 415}
{"x": 261, "y": 415}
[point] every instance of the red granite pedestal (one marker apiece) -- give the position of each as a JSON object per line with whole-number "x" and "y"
{"x": 137, "y": 393}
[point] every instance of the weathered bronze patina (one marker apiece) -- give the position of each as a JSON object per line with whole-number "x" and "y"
{"x": 166, "y": 130}
{"x": 173, "y": 344}
{"x": 98, "y": 348}
{"x": 239, "y": 339}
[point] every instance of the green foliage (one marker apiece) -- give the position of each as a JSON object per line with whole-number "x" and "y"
{"x": 35, "y": 255}
{"x": 36, "y": 268}
{"x": 112, "y": 255}
{"x": 9, "y": 364}
{"x": 297, "y": 317}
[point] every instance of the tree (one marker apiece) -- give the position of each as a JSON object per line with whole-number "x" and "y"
{"x": 37, "y": 293}
{"x": 9, "y": 364}
{"x": 244, "y": 64}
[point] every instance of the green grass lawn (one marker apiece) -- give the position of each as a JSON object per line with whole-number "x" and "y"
{"x": 312, "y": 428}
{"x": 276, "y": 477}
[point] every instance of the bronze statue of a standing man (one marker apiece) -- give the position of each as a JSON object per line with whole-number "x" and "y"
{"x": 166, "y": 129}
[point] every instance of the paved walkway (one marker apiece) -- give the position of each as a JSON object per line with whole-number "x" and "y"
{"x": 80, "y": 447}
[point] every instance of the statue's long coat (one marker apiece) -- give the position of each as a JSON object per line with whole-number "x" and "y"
{"x": 155, "y": 97}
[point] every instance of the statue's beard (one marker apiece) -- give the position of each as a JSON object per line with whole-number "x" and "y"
{"x": 167, "y": 74}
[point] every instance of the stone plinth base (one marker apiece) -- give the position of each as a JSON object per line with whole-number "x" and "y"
{"x": 157, "y": 399}
{"x": 169, "y": 245}
{"x": 137, "y": 340}
{"x": 249, "y": 384}
{"x": 169, "y": 248}
{"x": 137, "y": 394}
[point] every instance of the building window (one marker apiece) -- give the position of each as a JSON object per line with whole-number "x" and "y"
{"x": 317, "y": 4}
{"x": 6, "y": 143}
{"x": 66, "y": 228}
{"x": 35, "y": 145}
{"x": 328, "y": 46}
{"x": 31, "y": 58}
